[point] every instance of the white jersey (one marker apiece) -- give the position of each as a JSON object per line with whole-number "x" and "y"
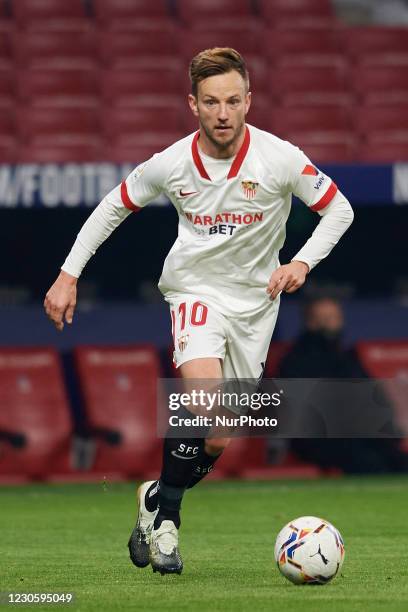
{"x": 232, "y": 215}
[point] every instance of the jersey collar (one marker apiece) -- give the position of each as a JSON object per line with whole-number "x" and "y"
{"x": 236, "y": 164}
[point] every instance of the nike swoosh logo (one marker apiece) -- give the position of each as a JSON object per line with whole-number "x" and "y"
{"x": 181, "y": 456}
{"x": 184, "y": 194}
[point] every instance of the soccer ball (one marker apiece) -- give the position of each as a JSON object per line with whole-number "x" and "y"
{"x": 309, "y": 550}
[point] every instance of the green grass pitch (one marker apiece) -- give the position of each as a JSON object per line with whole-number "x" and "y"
{"x": 58, "y": 538}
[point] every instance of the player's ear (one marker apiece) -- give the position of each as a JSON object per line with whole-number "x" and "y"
{"x": 248, "y": 99}
{"x": 192, "y": 101}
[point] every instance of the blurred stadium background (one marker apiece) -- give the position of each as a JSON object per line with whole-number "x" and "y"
{"x": 89, "y": 88}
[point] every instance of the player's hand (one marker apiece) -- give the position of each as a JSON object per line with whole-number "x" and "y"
{"x": 60, "y": 300}
{"x": 287, "y": 278}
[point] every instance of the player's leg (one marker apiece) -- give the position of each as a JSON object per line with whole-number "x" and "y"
{"x": 181, "y": 456}
{"x": 247, "y": 350}
{"x": 199, "y": 341}
{"x": 204, "y": 329}
{"x": 140, "y": 537}
{"x": 248, "y": 347}
{"x": 244, "y": 358}
{"x": 212, "y": 448}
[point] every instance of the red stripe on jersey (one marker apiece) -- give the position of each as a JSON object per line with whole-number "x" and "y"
{"x": 308, "y": 169}
{"x": 326, "y": 199}
{"x": 197, "y": 159}
{"x": 125, "y": 198}
{"x": 237, "y": 163}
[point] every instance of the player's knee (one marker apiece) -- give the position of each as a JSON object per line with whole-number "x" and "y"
{"x": 206, "y": 367}
{"x": 215, "y": 446}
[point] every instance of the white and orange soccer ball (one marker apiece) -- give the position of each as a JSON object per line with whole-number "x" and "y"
{"x": 309, "y": 550}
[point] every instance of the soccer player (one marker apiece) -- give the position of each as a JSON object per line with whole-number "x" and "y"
{"x": 231, "y": 185}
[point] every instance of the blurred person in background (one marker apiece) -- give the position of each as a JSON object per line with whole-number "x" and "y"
{"x": 318, "y": 353}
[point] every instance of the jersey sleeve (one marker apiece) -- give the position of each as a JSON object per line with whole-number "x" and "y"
{"x": 308, "y": 183}
{"x": 143, "y": 184}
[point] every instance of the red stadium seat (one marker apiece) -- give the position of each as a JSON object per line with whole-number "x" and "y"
{"x": 310, "y": 86}
{"x": 108, "y": 10}
{"x": 388, "y": 359}
{"x": 332, "y": 60}
{"x": 234, "y": 460}
{"x": 6, "y": 101}
{"x": 60, "y": 151}
{"x": 384, "y": 60}
{"x": 311, "y": 120}
{"x": 361, "y": 42}
{"x": 190, "y": 123}
{"x": 276, "y": 353}
{"x": 3, "y": 9}
{"x": 304, "y": 22}
{"x": 7, "y": 122}
{"x": 143, "y": 84}
{"x": 6, "y": 32}
{"x": 7, "y": 83}
{"x": 126, "y": 153}
{"x": 147, "y": 142}
{"x": 43, "y": 85}
{"x": 8, "y": 141}
{"x": 280, "y": 41}
{"x": 132, "y": 47}
{"x": 43, "y": 122}
{"x": 29, "y": 11}
{"x": 383, "y": 151}
{"x": 384, "y": 358}
{"x": 72, "y": 26}
{"x": 196, "y": 11}
{"x": 45, "y": 49}
{"x": 276, "y": 10}
{"x": 140, "y": 24}
{"x": 381, "y": 84}
{"x": 346, "y": 137}
{"x": 233, "y": 23}
{"x": 259, "y": 113}
{"x": 117, "y": 121}
{"x": 382, "y": 121}
{"x": 8, "y": 149}
{"x": 327, "y": 151}
{"x": 248, "y": 458}
{"x": 33, "y": 405}
{"x": 66, "y": 102}
{"x": 119, "y": 388}
{"x": 258, "y": 74}
{"x": 246, "y": 39}
{"x": 323, "y": 97}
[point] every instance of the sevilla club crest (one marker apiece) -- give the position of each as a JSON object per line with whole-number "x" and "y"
{"x": 183, "y": 341}
{"x": 249, "y": 188}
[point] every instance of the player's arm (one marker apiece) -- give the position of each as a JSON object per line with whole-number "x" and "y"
{"x": 141, "y": 186}
{"x": 321, "y": 195}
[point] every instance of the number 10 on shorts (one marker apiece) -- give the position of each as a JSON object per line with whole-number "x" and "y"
{"x": 196, "y": 313}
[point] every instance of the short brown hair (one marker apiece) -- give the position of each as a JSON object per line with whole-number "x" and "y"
{"x": 218, "y": 60}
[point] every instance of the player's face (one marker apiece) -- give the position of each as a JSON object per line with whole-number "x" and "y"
{"x": 221, "y": 105}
